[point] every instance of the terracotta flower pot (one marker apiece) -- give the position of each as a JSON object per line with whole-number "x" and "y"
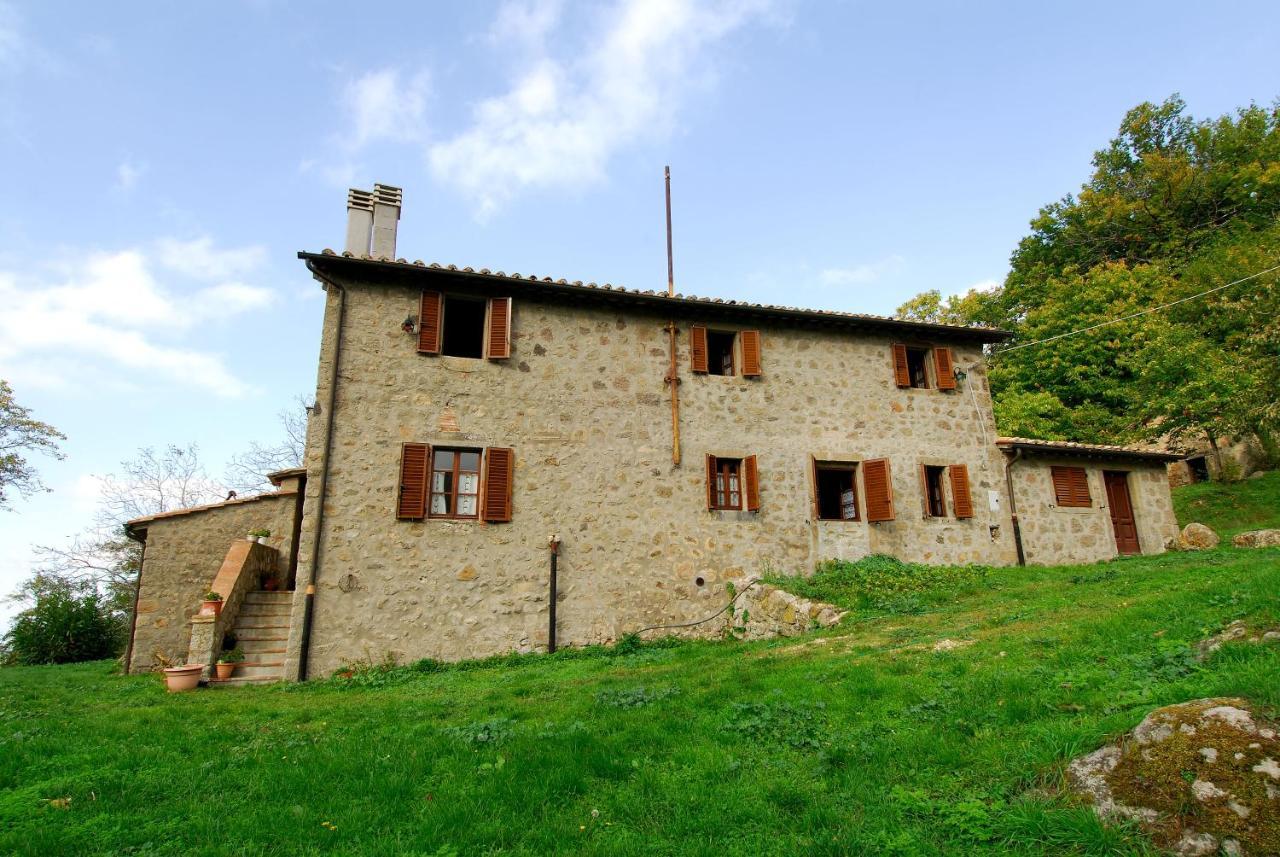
{"x": 211, "y": 608}
{"x": 179, "y": 679}
{"x": 224, "y": 671}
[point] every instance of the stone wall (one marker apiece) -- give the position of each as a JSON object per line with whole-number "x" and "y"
{"x": 1242, "y": 456}
{"x": 1056, "y": 536}
{"x": 183, "y": 555}
{"x": 583, "y": 403}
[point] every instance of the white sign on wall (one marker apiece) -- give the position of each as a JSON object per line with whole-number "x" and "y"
{"x": 993, "y": 500}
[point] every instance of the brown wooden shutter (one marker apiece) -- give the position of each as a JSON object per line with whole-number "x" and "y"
{"x": 961, "y": 499}
{"x": 411, "y": 503}
{"x": 1071, "y": 486}
{"x": 901, "y": 370}
{"x": 945, "y": 364}
{"x": 429, "y": 323}
{"x": 499, "y": 462}
{"x": 711, "y": 481}
{"x": 698, "y": 348}
{"x": 750, "y": 353}
{"x": 877, "y": 484}
{"x": 751, "y": 480}
{"x": 498, "y": 336}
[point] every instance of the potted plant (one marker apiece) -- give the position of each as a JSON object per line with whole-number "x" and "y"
{"x": 182, "y": 678}
{"x": 261, "y": 536}
{"x": 227, "y": 663}
{"x": 211, "y": 605}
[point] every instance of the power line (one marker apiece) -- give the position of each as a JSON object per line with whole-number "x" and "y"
{"x": 1142, "y": 312}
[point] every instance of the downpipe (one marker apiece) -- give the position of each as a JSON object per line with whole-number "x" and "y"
{"x": 1013, "y": 505}
{"x": 554, "y": 546}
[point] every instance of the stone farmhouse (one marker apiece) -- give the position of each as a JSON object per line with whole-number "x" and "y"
{"x": 473, "y": 427}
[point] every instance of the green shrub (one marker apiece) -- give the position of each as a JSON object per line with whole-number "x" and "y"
{"x": 636, "y": 697}
{"x": 483, "y": 732}
{"x": 66, "y": 624}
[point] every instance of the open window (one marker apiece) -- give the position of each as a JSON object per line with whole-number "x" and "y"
{"x": 911, "y": 366}
{"x": 464, "y": 326}
{"x": 733, "y": 484}
{"x": 836, "y": 491}
{"x": 720, "y": 352}
{"x": 455, "y": 483}
{"x": 935, "y": 500}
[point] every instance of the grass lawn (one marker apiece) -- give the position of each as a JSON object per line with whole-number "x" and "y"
{"x": 1251, "y": 504}
{"x": 860, "y": 739}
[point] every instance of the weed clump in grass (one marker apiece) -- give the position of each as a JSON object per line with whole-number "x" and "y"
{"x": 884, "y": 583}
{"x": 483, "y": 733}
{"x": 798, "y": 725}
{"x": 636, "y": 697}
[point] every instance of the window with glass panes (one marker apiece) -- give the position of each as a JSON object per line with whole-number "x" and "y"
{"x": 728, "y": 488}
{"x": 455, "y": 483}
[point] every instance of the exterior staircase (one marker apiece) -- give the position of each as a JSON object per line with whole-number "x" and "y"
{"x": 262, "y": 632}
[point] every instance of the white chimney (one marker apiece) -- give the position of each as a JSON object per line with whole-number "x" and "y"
{"x": 359, "y": 221}
{"x": 386, "y": 217}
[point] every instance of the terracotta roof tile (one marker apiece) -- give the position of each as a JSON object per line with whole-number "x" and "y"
{"x": 1070, "y": 446}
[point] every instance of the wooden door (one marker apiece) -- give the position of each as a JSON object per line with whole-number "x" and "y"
{"x": 1121, "y": 506}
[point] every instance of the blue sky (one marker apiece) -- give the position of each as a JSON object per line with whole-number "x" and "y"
{"x": 162, "y": 162}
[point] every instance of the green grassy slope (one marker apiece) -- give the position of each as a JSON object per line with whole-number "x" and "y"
{"x": 857, "y": 740}
{"x": 1251, "y": 504}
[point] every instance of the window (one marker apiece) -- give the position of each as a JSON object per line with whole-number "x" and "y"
{"x": 733, "y": 484}
{"x": 720, "y": 352}
{"x": 1071, "y": 487}
{"x": 917, "y": 360}
{"x": 455, "y": 483}
{"x": 836, "y": 489}
{"x": 462, "y": 326}
{"x": 935, "y": 503}
{"x": 1198, "y": 469}
{"x": 717, "y": 352}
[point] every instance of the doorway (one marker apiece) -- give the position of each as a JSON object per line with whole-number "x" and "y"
{"x": 1121, "y": 506}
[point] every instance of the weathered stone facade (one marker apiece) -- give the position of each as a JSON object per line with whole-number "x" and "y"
{"x": 583, "y": 403}
{"x": 1054, "y": 535}
{"x": 183, "y": 555}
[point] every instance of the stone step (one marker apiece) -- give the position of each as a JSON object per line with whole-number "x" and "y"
{"x": 263, "y": 659}
{"x": 263, "y": 610}
{"x": 262, "y": 597}
{"x": 262, "y": 635}
{"x": 241, "y": 681}
{"x": 254, "y": 647}
{"x": 265, "y": 669}
{"x": 247, "y": 622}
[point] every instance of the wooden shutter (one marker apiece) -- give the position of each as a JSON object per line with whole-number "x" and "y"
{"x": 415, "y": 461}
{"x": 751, "y": 481}
{"x": 750, "y": 353}
{"x": 711, "y": 481}
{"x": 961, "y": 499}
{"x": 495, "y": 494}
{"x": 1071, "y": 487}
{"x": 698, "y": 348}
{"x": 945, "y": 364}
{"x": 877, "y": 483}
{"x": 429, "y": 323}
{"x": 901, "y": 370}
{"x": 498, "y": 335}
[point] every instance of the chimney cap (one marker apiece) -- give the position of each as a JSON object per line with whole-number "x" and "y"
{"x": 361, "y": 199}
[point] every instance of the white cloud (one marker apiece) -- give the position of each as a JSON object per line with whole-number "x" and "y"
{"x": 983, "y": 286}
{"x": 80, "y": 324}
{"x": 385, "y": 105}
{"x": 127, "y": 175}
{"x": 525, "y": 22}
{"x": 859, "y": 274}
{"x": 562, "y": 119}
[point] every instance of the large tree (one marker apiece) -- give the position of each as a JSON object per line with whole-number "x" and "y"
{"x": 1175, "y": 207}
{"x": 20, "y": 435}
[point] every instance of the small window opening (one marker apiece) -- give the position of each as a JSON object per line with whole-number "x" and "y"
{"x": 935, "y": 502}
{"x": 917, "y": 360}
{"x": 455, "y": 483}
{"x": 728, "y": 487}
{"x": 837, "y": 494}
{"x": 720, "y": 352}
{"x": 463, "y": 324}
{"x": 1199, "y": 468}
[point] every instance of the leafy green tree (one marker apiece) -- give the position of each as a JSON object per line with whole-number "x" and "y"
{"x": 19, "y": 436}
{"x": 65, "y": 623}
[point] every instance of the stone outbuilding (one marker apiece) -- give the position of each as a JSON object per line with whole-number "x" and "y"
{"x": 471, "y": 427}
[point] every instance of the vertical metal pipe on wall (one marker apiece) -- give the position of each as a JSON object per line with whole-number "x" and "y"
{"x": 551, "y": 611}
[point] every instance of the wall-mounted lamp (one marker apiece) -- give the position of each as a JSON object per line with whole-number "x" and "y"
{"x": 409, "y": 324}
{"x": 961, "y": 374}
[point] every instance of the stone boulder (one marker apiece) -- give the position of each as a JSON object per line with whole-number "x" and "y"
{"x": 766, "y": 611}
{"x": 1197, "y": 537}
{"x": 1200, "y": 777}
{"x": 1257, "y": 539}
